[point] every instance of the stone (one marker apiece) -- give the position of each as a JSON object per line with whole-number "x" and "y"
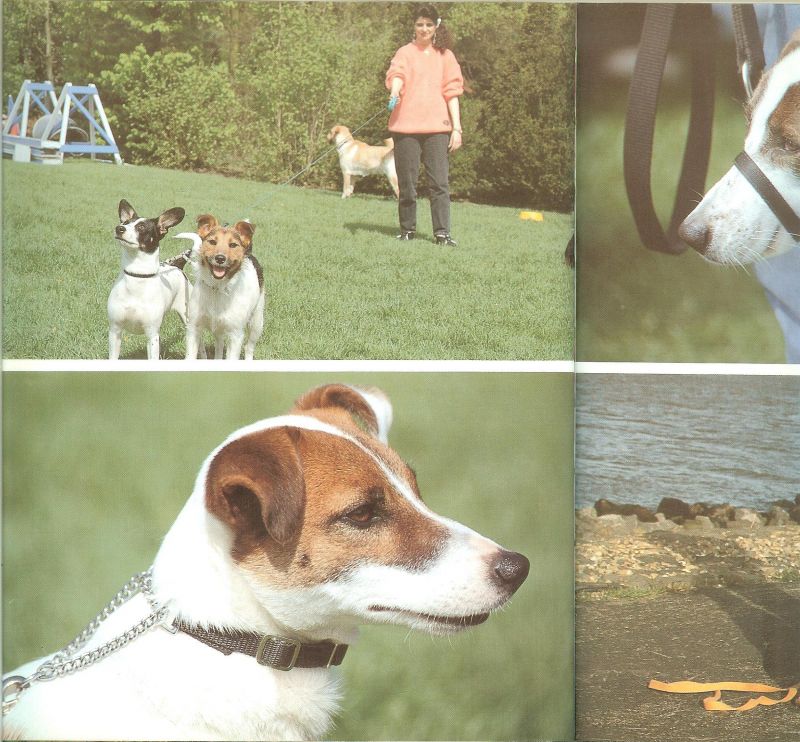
{"x": 586, "y": 513}
{"x": 748, "y": 515}
{"x": 607, "y": 507}
{"x": 795, "y": 513}
{"x": 702, "y": 522}
{"x": 672, "y": 507}
{"x": 778, "y": 516}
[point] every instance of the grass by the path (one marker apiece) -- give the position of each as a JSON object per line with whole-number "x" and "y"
{"x": 636, "y": 305}
{"x": 98, "y": 465}
{"x": 339, "y": 285}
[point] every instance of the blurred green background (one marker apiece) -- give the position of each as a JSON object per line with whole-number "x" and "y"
{"x": 633, "y": 304}
{"x": 97, "y": 466}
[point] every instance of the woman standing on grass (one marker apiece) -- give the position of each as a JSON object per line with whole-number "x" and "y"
{"x": 425, "y": 80}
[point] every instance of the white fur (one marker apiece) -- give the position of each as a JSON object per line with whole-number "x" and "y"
{"x": 229, "y": 308}
{"x": 170, "y": 686}
{"x": 138, "y": 305}
{"x": 743, "y": 227}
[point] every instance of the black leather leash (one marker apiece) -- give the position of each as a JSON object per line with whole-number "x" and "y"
{"x": 659, "y": 23}
{"x": 640, "y": 122}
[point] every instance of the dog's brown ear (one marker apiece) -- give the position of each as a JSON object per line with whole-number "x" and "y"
{"x": 205, "y": 223}
{"x": 368, "y": 406}
{"x": 255, "y": 484}
{"x": 246, "y": 230}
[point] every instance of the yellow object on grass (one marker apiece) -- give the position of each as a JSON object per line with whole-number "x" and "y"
{"x": 532, "y": 216}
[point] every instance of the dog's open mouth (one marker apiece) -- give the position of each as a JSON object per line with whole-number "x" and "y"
{"x": 218, "y": 271}
{"x": 125, "y": 242}
{"x": 471, "y": 620}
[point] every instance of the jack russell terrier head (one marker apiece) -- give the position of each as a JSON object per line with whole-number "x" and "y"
{"x": 223, "y": 249}
{"x": 323, "y": 525}
{"x": 138, "y": 233}
{"x": 733, "y": 224}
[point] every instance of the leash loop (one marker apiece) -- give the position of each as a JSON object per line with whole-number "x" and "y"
{"x": 640, "y": 121}
{"x": 13, "y": 685}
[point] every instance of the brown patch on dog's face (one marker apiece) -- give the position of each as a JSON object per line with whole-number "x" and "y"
{"x": 783, "y": 138}
{"x": 224, "y": 248}
{"x": 341, "y": 509}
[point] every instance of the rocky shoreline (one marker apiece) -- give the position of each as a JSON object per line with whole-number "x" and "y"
{"x": 682, "y": 545}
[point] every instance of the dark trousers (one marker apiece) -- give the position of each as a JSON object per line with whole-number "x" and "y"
{"x": 432, "y": 150}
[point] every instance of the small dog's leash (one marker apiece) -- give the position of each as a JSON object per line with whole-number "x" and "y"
{"x": 269, "y": 650}
{"x": 330, "y": 149}
{"x": 65, "y": 662}
{"x": 713, "y": 702}
{"x": 321, "y": 157}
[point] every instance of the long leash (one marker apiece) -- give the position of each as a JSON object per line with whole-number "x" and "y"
{"x": 330, "y": 149}
{"x": 643, "y": 100}
{"x": 640, "y": 121}
{"x": 321, "y": 157}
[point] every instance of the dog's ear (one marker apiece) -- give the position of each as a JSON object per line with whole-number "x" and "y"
{"x": 126, "y": 211}
{"x": 205, "y": 223}
{"x": 246, "y": 230}
{"x": 255, "y": 484}
{"x": 369, "y": 407}
{"x": 170, "y": 218}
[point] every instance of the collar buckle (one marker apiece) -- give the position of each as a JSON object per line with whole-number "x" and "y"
{"x": 270, "y": 641}
{"x": 333, "y": 654}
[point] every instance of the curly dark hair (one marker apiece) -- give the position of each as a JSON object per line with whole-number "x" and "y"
{"x": 442, "y": 39}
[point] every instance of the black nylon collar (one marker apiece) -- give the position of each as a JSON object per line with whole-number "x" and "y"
{"x": 139, "y": 275}
{"x": 770, "y": 194}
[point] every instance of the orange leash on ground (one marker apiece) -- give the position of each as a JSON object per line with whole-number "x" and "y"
{"x": 713, "y": 702}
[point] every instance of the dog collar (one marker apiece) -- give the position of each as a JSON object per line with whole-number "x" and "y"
{"x": 277, "y": 652}
{"x": 770, "y": 194}
{"x": 139, "y": 275}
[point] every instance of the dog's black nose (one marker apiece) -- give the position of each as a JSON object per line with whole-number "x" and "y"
{"x": 120, "y": 229}
{"x": 510, "y": 569}
{"x": 696, "y": 233}
{"x": 219, "y": 259}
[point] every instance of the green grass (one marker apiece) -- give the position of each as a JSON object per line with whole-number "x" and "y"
{"x": 636, "y": 305}
{"x": 339, "y": 285}
{"x": 97, "y": 465}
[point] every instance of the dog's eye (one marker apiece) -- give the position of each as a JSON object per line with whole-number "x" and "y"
{"x": 791, "y": 146}
{"x": 362, "y": 517}
{"x": 212, "y": 242}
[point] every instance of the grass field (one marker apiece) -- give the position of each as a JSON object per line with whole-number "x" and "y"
{"x": 339, "y": 285}
{"x": 635, "y": 305}
{"x": 97, "y": 466}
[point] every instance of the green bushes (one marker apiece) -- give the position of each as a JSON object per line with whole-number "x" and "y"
{"x": 174, "y": 112}
{"x": 252, "y": 89}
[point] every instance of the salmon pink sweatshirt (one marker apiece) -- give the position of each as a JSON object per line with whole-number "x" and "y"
{"x": 429, "y": 81}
